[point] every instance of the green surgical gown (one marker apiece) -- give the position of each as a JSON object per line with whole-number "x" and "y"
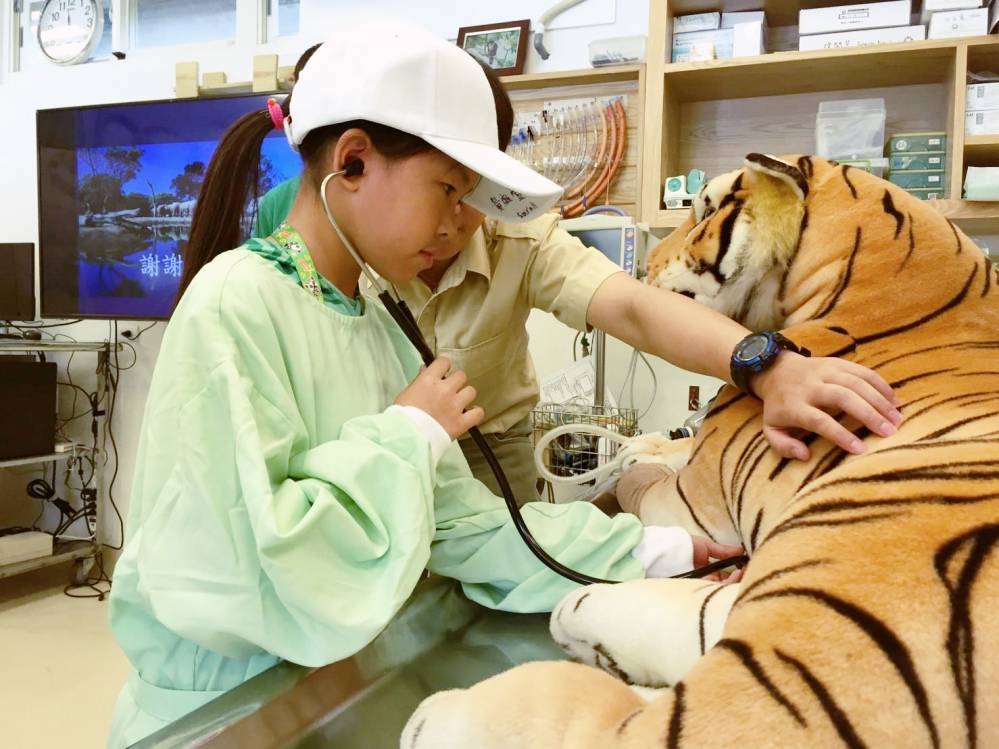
{"x": 278, "y": 512}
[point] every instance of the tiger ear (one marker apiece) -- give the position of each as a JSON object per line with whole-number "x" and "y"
{"x": 770, "y": 168}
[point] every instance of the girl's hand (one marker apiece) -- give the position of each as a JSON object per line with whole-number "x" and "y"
{"x": 799, "y": 393}
{"x": 706, "y": 550}
{"x": 444, "y": 395}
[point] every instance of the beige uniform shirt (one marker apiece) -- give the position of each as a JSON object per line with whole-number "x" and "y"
{"x": 477, "y": 316}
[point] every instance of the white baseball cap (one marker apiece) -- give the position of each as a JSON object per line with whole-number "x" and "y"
{"x": 409, "y": 79}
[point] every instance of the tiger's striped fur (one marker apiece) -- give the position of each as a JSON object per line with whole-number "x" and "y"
{"x": 867, "y": 616}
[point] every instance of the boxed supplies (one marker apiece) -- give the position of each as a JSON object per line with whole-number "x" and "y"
{"x": 935, "y": 6}
{"x": 702, "y": 45}
{"x": 982, "y": 122}
{"x": 956, "y": 23}
{"x": 982, "y": 96}
{"x": 928, "y": 161}
{"x": 918, "y": 180}
{"x": 729, "y": 20}
{"x": 848, "y": 39}
{"x": 698, "y": 22}
{"x": 936, "y": 193}
{"x": 848, "y": 17}
{"x": 748, "y": 39}
{"x": 981, "y": 183}
{"x": 908, "y": 142}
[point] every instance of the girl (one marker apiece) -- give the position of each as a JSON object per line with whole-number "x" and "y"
{"x": 472, "y": 306}
{"x": 296, "y": 471}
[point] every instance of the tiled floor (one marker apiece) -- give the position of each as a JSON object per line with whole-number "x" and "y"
{"x": 60, "y": 669}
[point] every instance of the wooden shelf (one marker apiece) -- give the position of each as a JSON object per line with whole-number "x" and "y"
{"x": 63, "y": 551}
{"x": 782, "y": 73}
{"x": 609, "y": 74}
{"x": 981, "y": 150}
{"x": 972, "y": 216}
{"x": 669, "y": 219}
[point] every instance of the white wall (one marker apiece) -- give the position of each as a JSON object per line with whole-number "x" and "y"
{"x": 150, "y": 75}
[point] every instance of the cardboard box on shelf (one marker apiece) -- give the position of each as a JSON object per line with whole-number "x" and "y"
{"x": 982, "y": 122}
{"x": 918, "y": 142}
{"x": 933, "y": 193}
{"x": 728, "y": 20}
{"x": 849, "y": 39}
{"x": 981, "y": 183}
{"x": 955, "y": 23}
{"x": 848, "y": 17}
{"x": 702, "y": 45}
{"x": 749, "y": 39}
{"x": 935, "y": 6}
{"x": 982, "y": 96}
{"x": 918, "y": 180}
{"x": 696, "y": 22}
{"x": 742, "y": 40}
{"x": 928, "y": 160}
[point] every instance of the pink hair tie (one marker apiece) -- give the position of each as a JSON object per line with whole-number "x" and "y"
{"x": 277, "y": 116}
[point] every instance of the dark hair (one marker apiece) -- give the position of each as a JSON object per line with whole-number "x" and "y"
{"x": 233, "y": 175}
{"x": 306, "y": 56}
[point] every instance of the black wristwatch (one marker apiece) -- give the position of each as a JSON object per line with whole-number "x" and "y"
{"x": 757, "y": 352}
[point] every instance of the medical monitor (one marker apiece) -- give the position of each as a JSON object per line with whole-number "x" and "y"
{"x": 618, "y": 237}
{"x": 117, "y": 186}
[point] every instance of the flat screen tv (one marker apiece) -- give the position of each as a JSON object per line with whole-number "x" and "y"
{"x": 117, "y": 186}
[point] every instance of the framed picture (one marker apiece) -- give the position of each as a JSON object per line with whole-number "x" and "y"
{"x": 501, "y": 46}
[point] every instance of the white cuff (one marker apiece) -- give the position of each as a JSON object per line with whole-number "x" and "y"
{"x": 665, "y": 551}
{"x": 439, "y": 439}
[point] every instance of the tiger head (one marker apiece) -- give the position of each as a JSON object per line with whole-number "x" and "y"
{"x": 785, "y": 241}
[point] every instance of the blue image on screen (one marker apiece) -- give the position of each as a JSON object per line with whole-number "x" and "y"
{"x": 137, "y": 186}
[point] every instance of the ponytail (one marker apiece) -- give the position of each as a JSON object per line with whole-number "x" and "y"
{"x": 231, "y": 180}
{"x": 232, "y": 177}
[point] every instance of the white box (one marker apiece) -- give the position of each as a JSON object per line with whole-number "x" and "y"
{"x": 847, "y": 17}
{"x": 982, "y": 96}
{"x": 729, "y": 20}
{"x": 850, "y": 39}
{"x": 697, "y": 22}
{"x": 748, "y": 39}
{"x": 935, "y": 6}
{"x": 955, "y": 23}
{"x": 982, "y": 122}
{"x": 714, "y": 44}
{"x": 20, "y": 547}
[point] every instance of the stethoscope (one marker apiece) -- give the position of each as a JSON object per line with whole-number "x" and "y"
{"x": 399, "y": 311}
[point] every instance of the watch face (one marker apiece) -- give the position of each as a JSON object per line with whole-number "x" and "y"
{"x": 752, "y": 346}
{"x": 68, "y": 30}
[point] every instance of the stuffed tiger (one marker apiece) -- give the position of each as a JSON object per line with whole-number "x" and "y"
{"x": 867, "y": 615}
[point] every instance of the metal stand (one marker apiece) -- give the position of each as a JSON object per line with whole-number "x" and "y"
{"x": 83, "y": 553}
{"x": 599, "y": 365}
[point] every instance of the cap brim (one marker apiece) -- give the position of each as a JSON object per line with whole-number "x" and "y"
{"x": 508, "y": 190}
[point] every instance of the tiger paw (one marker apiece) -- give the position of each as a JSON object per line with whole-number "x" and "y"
{"x": 643, "y": 632}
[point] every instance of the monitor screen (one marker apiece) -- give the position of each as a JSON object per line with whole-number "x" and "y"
{"x": 17, "y": 282}
{"x": 117, "y": 189}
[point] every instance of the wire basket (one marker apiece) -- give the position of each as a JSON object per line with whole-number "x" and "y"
{"x": 576, "y": 453}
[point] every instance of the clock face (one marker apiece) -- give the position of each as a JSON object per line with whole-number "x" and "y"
{"x": 752, "y": 347}
{"x": 69, "y": 30}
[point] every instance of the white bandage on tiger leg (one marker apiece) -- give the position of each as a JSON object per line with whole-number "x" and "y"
{"x": 645, "y": 632}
